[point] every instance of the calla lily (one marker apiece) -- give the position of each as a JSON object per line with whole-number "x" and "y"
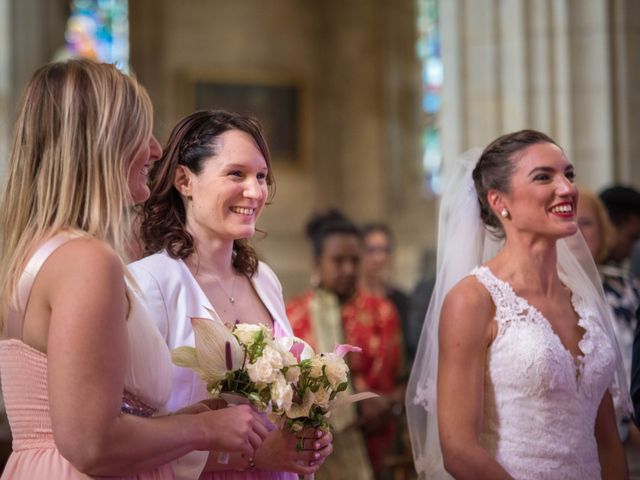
{"x": 342, "y": 349}
{"x": 211, "y": 337}
{"x": 186, "y": 357}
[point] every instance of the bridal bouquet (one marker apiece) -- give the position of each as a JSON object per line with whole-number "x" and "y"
{"x": 323, "y": 378}
{"x": 244, "y": 360}
{"x": 283, "y": 378}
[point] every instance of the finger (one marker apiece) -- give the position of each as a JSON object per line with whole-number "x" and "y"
{"x": 198, "y": 408}
{"x": 214, "y": 403}
{"x": 303, "y": 468}
{"x": 260, "y": 428}
{"x": 324, "y": 441}
{"x": 325, "y": 452}
{"x": 247, "y": 449}
{"x": 308, "y": 457}
{"x": 255, "y": 440}
{"x": 310, "y": 444}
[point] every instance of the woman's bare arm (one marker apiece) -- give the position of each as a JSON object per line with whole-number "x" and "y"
{"x": 83, "y": 282}
{"x": 466, "y": 330}
{"x": 613, "y": 461}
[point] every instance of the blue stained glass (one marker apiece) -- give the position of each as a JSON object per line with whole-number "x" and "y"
{"x": 428, "y": 50}
{"x": 99, "y": 29}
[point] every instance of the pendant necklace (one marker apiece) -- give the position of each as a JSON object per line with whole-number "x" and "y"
{"x": 231, "y": 297}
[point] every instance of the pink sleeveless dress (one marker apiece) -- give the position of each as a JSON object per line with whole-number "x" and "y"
{"x": 23, "y": 372}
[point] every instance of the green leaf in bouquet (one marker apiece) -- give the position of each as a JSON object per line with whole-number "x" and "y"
{"x": 255, "y": 398}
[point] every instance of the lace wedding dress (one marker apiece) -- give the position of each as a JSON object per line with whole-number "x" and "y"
{"x": 540, "y": 402}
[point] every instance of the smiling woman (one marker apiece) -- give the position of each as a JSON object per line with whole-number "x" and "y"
{"x": 508, "y": 347}
{"x": 207, "y": 193}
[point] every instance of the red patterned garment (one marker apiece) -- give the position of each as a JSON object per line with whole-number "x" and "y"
{"x": 369, "y": 322}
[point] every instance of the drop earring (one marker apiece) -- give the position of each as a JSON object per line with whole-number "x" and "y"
{"x": 504, "y": 213}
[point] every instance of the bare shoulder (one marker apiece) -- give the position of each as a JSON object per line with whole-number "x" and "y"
{"x": 83, "y": 262}
{"x": 467, "y": 306}
{"x": 87, "y": 251}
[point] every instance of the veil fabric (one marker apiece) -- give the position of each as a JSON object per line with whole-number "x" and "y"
{"x": 464, "y": 243}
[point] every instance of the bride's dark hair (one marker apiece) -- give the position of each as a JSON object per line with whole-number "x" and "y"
{"x": 496, "y": 166}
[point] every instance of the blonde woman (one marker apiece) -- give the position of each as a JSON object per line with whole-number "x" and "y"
{"x": 82, "y": 365}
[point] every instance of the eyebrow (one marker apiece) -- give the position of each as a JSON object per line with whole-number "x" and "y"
{"x": 240, "y": 166}
{"x": 569, "y": 168}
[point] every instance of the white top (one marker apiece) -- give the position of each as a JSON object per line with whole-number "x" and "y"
{"x": 174, "y": 297}
{"x": 540, "y": 406}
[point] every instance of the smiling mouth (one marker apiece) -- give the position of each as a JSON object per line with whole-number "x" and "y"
{"x": 563, "y": 209}
{"x": 243, "y": 210}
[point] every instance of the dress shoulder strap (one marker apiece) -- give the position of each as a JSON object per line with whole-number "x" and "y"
{"x": 509, "y": 306}
{"x": 15, "y": 316}
{"x": 501, "y": 292}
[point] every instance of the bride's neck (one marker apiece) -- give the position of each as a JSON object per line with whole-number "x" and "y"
{"x": 530, "y": 264}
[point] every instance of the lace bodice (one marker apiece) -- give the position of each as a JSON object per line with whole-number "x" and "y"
{"x": 540, "y": 402}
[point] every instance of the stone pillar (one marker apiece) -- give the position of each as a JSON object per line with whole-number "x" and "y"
{"x": 543, "y": 64}
{"x": 625, "y": 26}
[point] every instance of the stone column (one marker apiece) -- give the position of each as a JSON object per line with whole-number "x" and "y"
{"x": 552, "y": 65}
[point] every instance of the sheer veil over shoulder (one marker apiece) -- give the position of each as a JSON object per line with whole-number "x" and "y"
{"x": 464, "y": 243}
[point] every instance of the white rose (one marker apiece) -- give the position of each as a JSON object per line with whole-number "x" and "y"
{"x": 293, "y": 374}
{"x": 272, "y": 356}
{"x": 287, "y": 357}
{"x": 282, "y": 393}
{"x": 296, "y": 410}
{"x": 246, "y": 333}
{"x": 336, "y": 370}
{"x": 261, "y": 371}
{"x": 321, "y": 398}
{"x": 316, "y": 367}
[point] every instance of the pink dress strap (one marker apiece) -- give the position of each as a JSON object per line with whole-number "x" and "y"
{"x": 15, "y": 316}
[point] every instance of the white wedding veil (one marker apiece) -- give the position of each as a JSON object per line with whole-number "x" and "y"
{"x": 464, "y": 243}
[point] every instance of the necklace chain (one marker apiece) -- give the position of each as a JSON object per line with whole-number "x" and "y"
{"x": 231, "y": 297}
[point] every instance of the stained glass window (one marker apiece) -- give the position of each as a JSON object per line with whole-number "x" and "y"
{"x": 428, "y": 49}
{"x": 99, "y": 29}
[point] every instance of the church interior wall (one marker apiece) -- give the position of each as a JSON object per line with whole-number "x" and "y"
{"x": 566, "y": 67}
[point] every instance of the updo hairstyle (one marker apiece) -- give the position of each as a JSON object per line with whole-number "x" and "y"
{"x": 496, "y": 167}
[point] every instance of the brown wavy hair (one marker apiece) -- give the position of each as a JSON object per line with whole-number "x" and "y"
{"x": 496, "y": 167}
{"x": 191, "y": 143}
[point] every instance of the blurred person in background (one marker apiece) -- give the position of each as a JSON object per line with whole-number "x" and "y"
{"x": 335, "y": 311}
{"x": 621, "y": 293}
{"x": 377, "y": 262}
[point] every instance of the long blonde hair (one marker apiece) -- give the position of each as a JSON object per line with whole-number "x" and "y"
{"x": 80, "y": 124}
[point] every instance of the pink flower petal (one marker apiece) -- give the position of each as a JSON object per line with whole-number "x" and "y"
{"x": 296, "y": 349}
{"x": 342, "y": 349}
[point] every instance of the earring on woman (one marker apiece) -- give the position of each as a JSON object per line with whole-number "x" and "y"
{"x": 504, "y": 213}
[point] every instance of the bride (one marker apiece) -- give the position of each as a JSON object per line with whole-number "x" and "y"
{"x": 520, "y": 349}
